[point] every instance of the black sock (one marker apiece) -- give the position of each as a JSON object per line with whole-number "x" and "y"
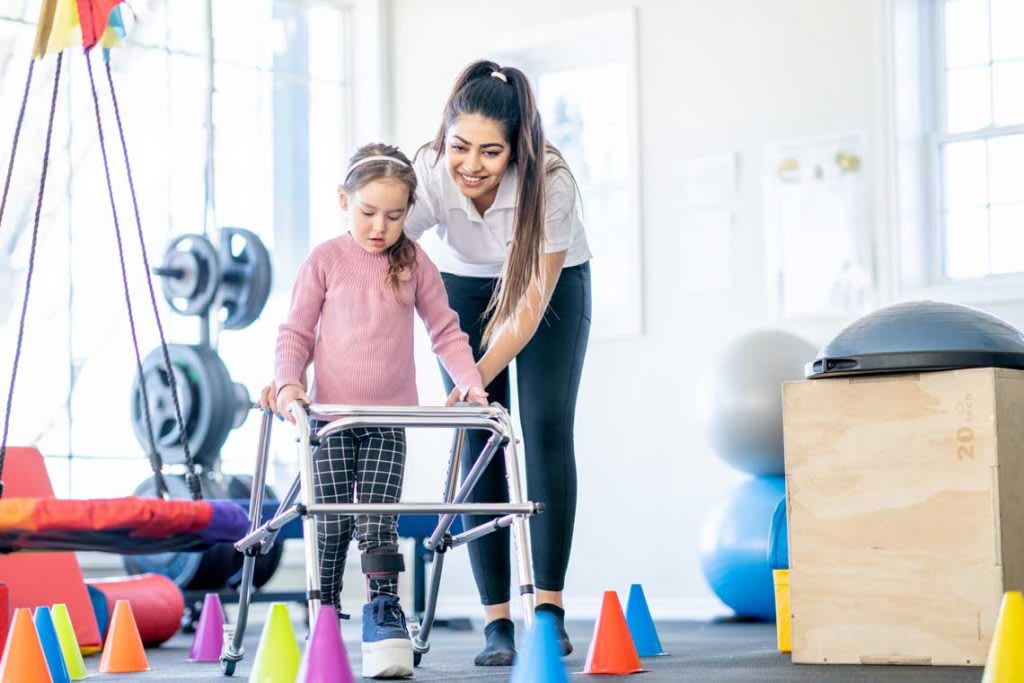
{"x": 559, "y": 614}
{"x": 555, "y": 610}
{"x": 500, "y": 646}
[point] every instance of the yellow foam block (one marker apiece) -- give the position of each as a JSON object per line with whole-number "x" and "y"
{"x": 783, "y": 619}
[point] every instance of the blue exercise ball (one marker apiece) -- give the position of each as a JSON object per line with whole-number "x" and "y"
{"x": 734, "y": 547}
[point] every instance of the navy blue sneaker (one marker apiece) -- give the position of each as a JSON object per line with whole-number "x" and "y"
{"x": 387, "y": 650}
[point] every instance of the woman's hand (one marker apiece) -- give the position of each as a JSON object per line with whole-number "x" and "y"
{"x": 289, "y": 393}
{"x": 476, "y": 394}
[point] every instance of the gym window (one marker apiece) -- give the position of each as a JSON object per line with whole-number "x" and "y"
{"x": 281, "y": 118}
{"x": 977, "y": 146}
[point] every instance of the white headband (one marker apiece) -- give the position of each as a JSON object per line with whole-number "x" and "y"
{"x": 498, "y": 74}
{"x": 376, "y": 157}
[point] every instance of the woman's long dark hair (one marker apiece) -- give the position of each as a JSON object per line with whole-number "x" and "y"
{"x": 509, "y": 100}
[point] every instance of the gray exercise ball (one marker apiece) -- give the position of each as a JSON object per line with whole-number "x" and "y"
{"x": 744, "y": 413}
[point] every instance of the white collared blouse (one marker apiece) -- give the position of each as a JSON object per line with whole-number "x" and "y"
{"x": 475, "y": 245}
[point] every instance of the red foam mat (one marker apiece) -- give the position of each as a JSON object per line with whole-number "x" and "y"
{"x": 35, "y": 579}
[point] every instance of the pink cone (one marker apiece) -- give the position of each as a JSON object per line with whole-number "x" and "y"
{"x": 325, "y": 659}
{"x": 209, "y": 637}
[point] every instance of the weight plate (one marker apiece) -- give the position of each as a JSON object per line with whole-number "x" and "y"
{"x": 245, "y": 278}
{"x": 190, "y": 274}
{"x": 206, "y": 395}
{"x": 243, "y": 405}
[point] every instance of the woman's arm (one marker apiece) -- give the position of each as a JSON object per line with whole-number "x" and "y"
{"x": 512, "y": 338}
{"x": 447, "y": 340}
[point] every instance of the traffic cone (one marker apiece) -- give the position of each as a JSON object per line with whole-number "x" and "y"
{"x": 209, "y": 638}
{"x": 540, "y": 660}
{"x": 23, "y": 660}
{"x": 783, "y": 614}
{"x": 47, "y": 633}
{"x": 5, "y": 613}
{"x": 325, "y": 659}
{"x": 123, "y": 651}
{"x": 641, "y": 625}
{"x": 1006, "y": 654}
{"x": 612, "y": 650}
{"x": 277, "y": 656}
{"x": 68, "y": 643}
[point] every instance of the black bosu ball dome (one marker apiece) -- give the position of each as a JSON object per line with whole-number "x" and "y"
{"x": 920, "y": 336}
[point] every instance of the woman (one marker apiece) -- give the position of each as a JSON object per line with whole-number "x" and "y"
{"x": 516, "y": 266}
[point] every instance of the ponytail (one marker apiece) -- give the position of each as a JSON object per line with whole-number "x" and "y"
{"x": 504, "y": 95}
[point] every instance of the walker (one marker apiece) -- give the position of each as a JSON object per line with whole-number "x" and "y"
{"x": 260, "y": 539}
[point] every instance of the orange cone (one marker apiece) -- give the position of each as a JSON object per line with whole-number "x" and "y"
{"x": 123, "y": 651}
{"x": 23, "y": 660}
{"x": 612, "y": 650}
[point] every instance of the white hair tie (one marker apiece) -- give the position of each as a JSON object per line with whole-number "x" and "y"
{"x": 499, "y": 75}
{"x": 375, "y": 157}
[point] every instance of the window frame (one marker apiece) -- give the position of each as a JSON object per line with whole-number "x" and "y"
{"x": 991, "y": 286}
{"x": 344, "y": 80}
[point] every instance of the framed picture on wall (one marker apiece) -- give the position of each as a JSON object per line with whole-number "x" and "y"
{"x": 819, "y": 245}
{"x": 585, "y": 75}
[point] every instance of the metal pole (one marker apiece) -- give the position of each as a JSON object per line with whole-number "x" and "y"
{"x": 309, "y": 537}
{"x": 421, "y": 642}
{"x": 321, "y": 509}
{"x": 468, "y": 483}
{"x": 520, "y": 534}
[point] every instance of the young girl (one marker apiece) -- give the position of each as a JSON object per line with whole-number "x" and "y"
{"x": 352, "y": 313}
{"x": 516, "y": 267}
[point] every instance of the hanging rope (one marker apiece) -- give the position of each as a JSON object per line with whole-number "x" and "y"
{"x": 158, "y": 476}
{"x": 31, "y": 257}
{"x": 17, "y": 134}
{"x": 192, "y": 478}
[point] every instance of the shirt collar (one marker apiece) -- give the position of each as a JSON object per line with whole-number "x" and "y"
{"x": 508, "y": 188}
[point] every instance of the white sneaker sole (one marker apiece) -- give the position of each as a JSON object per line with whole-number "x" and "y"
{"x": 388, "y": 659}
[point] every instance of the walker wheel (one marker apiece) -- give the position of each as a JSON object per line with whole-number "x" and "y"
{"x": 227, "y": 667}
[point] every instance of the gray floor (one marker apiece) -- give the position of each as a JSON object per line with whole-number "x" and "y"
{"x": 698, "y": 652}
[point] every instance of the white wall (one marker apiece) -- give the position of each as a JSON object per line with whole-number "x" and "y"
{"x": 733, "y": 75}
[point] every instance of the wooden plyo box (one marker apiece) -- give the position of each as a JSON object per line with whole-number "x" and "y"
{"x": 905, "y": 496}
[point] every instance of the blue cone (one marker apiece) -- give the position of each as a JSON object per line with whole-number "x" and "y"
{"x": 51, "y": 645}
{"x": 540, "y": 660}
{"x": 641, "y": 625}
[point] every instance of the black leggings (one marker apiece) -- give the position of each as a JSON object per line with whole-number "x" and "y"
{"x": 548, "y": 377}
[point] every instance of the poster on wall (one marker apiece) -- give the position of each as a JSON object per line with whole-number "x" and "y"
{"x": 818, "y": 238}
{"x": 584, "y": 73}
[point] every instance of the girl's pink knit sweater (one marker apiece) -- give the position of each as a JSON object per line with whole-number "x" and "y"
{"x": 345, "y": 316}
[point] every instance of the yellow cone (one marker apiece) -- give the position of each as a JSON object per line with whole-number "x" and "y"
{"x": 1006, "y": 655}
{"x": 68, "y": 642}
{"x": 277, "y": 657}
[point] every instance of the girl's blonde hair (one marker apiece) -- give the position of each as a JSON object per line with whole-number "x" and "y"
{"x": 401, "y": 254}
